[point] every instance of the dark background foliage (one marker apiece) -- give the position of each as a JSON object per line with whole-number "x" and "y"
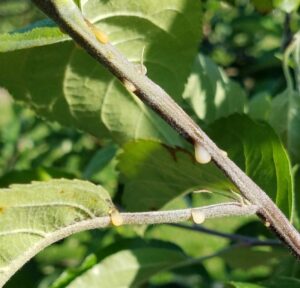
{"x": 247, "y": 39}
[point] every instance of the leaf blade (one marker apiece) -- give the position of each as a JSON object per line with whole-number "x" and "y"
{"x": 210, "y": 93}
{"x": 130, "y": 268}
{"x": 163, "y": 173}
{"x": 61, "y": 93}
{"x": 33, "y": 216}
{"x": 42, "y": 33}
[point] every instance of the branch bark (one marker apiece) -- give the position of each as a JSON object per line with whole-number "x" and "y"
{"x": 70, "y": 19}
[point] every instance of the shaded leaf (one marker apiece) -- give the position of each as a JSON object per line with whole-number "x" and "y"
{"x": 155, "y": 174}
{"x": 33, "y": 216}
{"x": 260, "y": 106}
{"x": 279, "y": 282}
{"x": 160, "y": 173}
{"x": 235, "y": 258}
{"x": 296, "y": 218}
{"x": 263, "y": 6}
{"x": 15, "y": 14}
{"x": 258, "y": 151}
{"x": 99, "y": 161}
{"x": 288, "y": 267}
{"x": 63, "y": 83}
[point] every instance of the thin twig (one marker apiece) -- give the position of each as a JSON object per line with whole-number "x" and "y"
{"x": 70, "y": 19}
{"x": 287, "y": 34}
{"x": 138, "y": 218}
{"x": 175, "y": 216}
{"x": 246, "y": 240}
{"x": 200, "y": 259}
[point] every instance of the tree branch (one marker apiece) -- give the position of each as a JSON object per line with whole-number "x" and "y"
{"x": 175, "y": 216}
{"x": 138, "y": 218}
{"x": 70, "y": 19}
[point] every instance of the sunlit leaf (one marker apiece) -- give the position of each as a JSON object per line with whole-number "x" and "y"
{"x": 33, "y": 216}
{"x": 129, "y": 268}
{"x": 210, "y": 92}
{"x": 287, "y": 5}
{"x": 38, "y": 34}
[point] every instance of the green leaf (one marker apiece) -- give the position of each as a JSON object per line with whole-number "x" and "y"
{"x": 288, "y": 267}
{"x": 235, "y": 258}
{"x": 258, "y": 151}
{"x": 102, "y": 169}
{"x": 279, "y": 282}
{"x": 69, "y": 275}
{"x": 99, "y": 161}
{"x": 63, "y": 83}
{"x": 36, "y": 215}
{"x": 15, "y": 14}
{"x": 296, "y": 220}
{"x": 6, "y": 113}
{"x": 129, "y": 268}
{"x": 78, "y": 3}
{"x": 122, "y": 244}
{"x": 38, "y": 34}
{"x": 160, "y": 173}
{"x": 260, "y": 106}
{"x": 211, "y": 93}
{"x": 285, "y": 118}
{"x": 287, "y": 5}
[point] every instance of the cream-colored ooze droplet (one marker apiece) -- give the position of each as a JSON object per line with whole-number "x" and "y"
{"x": 198, "y": 217}
{"x": 129, "y": 86}
{"x": 142, "y": 69}
{"x": 201, "y": 154}
{"x": 116, "y": 218}
{"x": 101, "y": 37}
